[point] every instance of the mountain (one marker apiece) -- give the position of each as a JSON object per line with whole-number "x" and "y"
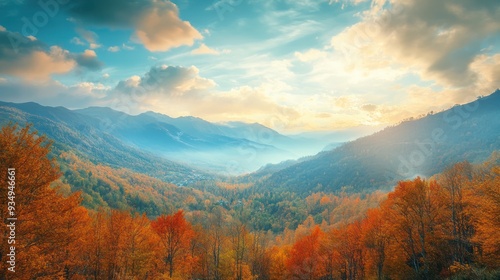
{"x": 153, "y": 143}
{"x": 76, "y": 132}
{"x": 226, "y": 148}
{"x": 416, "y": 147}
{"x": 296, "y": 146}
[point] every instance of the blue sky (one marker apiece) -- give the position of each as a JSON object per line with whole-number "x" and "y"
{"x": 291, "y": 65}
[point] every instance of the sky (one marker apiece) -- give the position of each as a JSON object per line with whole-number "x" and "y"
{"x": 303, "y": 65}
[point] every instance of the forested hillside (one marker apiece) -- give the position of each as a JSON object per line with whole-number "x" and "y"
{"x": 177, "y": 150}
{"x": 443, "y": 227}
{"x": 79, "y": 134}
{"x": 105, "y": 187}
{"x": 422, "y": 147}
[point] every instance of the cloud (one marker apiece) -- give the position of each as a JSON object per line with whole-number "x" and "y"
{"x": 172, "y": 90}
{"x": 489, "y": 67}
{"x": 369, "y": 107}
{"x": 30, "y": 59}
{"x": 126, "y": 47}
{"x": 241, "y": 103}
{"x": 310, "y": 55}
{"x": 439, "y": 40}
{"x": 52, "y": 93}
{"x": 178, "y": 91}
{"x": 77, "y": 41}
{"x": 89, "y": 36}
{"x": 88, "y": 59}
{"x": 161, "y": 29}
{"x": 156, "y": 23}
{"x": 167, "y": 81}
{"x": 204, "y": 49}
{"x": 118, "y": 48}
{"x": 114, "y": 49}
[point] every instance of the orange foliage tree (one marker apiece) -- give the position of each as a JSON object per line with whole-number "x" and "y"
{"x": 175, "y": 234}
{"x": 375, "y": 240}
{"x": 487, "y": 216}
{"x": 415, "y": 215}
{"x": 304, "y": 261}
{"x": 47, "y": 224}
{"x": 351, "y": 251}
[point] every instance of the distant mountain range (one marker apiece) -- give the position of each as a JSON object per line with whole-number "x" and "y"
{"x": 421, "y": 147}
{"x": 185, "y": 150}
{"x": 72, "y": 131}
{"x": 178, "y": 150}
{"x": 228, "y": 148}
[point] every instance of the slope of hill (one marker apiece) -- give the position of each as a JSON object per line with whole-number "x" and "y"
{"x": 417, "y": 147}
{"x": 111, "y": 188}
{"x": 118, "y": 139}
{"x": 76, "y": 132}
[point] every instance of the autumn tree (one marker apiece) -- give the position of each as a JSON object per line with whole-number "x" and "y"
{"x": 240, "y": 239}
{"x": 47, "y": 223}
{"x": 258, "y": 257}
{"x": 415, "y": 211}
{"x": 456, "y": 183}
{"x": 348, "y": 252}
{"x": 278, "y": 258}
{"x": 175, "y": 234}
{"x": 375, "y": 240}
{"x": 487, "y": 216}
{"x": 304, "y": 261}
{"x": 216, "y": 240}
{"x": 95, "y": 246}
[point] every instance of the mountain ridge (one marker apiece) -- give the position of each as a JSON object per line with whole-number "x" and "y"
{"x": 416, "y": 147}
{"x": 226, "y": 149}
{"x": 72, "y": 131}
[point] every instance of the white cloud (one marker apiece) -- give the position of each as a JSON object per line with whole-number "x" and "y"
{"x": 401, "y": 61}
{"x": 94, "y": 46}
{"x": 127, "y": 47}
{"x": 204, "y": 49}
{"x": 310, "y": 55}
{"x": 161, "y": 29}
{"x": 439, "y": 46}
{"x": 114, "y": 49}
{"x": 178, "y": 91}
{"x": 156, "y": 24}
{"x": 30, "y": 59}
{"x": 38, "y": 65}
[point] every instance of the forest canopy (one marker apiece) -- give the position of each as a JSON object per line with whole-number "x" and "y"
{"x": 446, "y": 226}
